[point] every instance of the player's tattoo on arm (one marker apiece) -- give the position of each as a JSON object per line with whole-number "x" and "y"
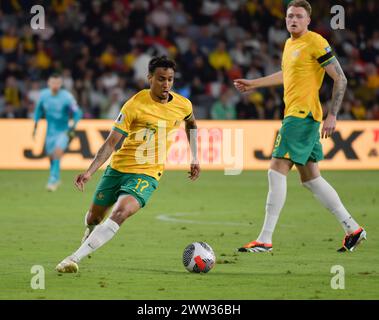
{"x": 191, "y": 131}
{"x": 339, "y": 87}
{"x": 105, "y": 151}
{"x": 102, "y": 155}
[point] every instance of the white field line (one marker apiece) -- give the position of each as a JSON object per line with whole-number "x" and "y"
{"x": 176, "y": 218}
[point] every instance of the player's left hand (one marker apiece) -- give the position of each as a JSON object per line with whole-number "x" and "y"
{"x": 81, "y": 180}
{"x": 195, "y": 171}
{"x": 71, "y": 133}
{"x": 34, "y": 134}
{"x": 329, "y": 126}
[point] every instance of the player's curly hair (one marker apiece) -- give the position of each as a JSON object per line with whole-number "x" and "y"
{"x": 302, "y": 4}
{"x": 55, "y": 74}
{"x": 161, "y": 62}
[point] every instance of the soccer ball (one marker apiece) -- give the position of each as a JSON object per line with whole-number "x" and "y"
{"x": 198, "y": 257}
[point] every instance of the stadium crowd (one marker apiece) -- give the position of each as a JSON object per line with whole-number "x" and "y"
{"x": 102, "y": 49}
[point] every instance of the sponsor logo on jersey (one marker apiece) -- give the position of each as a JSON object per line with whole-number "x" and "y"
{"x": 120, "y": 118}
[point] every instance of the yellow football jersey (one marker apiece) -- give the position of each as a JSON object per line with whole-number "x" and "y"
{"x": 150, "y": 128}
{"x": 302, "y": 65}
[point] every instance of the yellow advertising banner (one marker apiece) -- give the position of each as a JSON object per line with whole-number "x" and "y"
{"x": 232, "y": 146}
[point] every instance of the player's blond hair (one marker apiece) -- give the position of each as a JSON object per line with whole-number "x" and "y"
{"x": 301, "y": 4}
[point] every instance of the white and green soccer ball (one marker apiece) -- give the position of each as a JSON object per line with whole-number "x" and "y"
{"x": 199, "y": 257}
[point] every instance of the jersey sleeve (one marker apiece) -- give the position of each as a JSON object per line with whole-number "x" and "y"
{"x": 73, "y": 105}
{"x": 188, "y": 110}
{"x": 74, "y": 109}
{"x": 322, "y": 51}
{"x": 125, "y": 119}
{"x": 38, "y": 110}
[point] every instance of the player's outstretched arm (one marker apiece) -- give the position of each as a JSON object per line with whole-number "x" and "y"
{"x": 102, "y": 155}
{"x": 245, "y": 85}
{"x": 335, "y": 71}
{"x": 37, "y": 116}
{"x": 191, "y": 131}
{"x": 34, "y": 130}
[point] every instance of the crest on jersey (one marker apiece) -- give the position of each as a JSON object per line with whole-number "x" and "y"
{"x": 328, "y": 49}
{"x": 120, "y": 118}
{"x": 296, "y": 54}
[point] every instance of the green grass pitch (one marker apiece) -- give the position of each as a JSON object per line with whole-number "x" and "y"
{"x": 144, "y": 260}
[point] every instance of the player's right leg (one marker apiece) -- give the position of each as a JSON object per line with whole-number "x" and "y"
{"x": 125, "y": 206}
{"x": 312, "y": 180}
{"x": 277, "y": 178}
{"x": 94, "y": 216}
{"x": 132, "y": 192}
{"x": 55, "y": 146}
{"x": 55, "y": 167}
{"x": 49, "y": 147}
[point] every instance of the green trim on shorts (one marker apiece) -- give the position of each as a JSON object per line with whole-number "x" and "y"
{"x": 113, "y": 183}
{"x": 298, "y": 140}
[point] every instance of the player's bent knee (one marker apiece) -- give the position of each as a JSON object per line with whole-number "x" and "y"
{"x": 95, "y": 214}
{"x": 57, "y": 154}
{"x": 282, "y": 166}
{"x": 120, "y": 215}
{"x": 92, "y": 218}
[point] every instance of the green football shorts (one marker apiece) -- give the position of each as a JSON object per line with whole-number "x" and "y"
{"x": 113, "y": 183}
{"x": 298, "y": 140}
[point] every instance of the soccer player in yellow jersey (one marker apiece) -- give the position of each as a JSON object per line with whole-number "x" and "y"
{"x": 148, "y": 122}
{"x": 306, "y": 58}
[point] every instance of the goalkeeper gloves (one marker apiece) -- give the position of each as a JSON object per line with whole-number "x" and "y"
{"x": 71, "y": 133}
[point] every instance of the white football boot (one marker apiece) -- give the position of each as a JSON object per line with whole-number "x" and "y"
{"x": 67, "y": 265}
{"x": 53, "y": 186}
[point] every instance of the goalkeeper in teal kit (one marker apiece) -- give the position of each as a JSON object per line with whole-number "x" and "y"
{"x": 57, "y": 105}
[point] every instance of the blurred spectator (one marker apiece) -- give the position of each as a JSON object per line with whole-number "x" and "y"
{"x": 34, "y": 92}
{"x": 9, "y": 42}
{"x": 109, "y": 80}
{"x": 373, "y": 112}
{"x": 66, "y": 54}
{"x": 346, "y": 113}
{"x": 220, "y": 58}
{"x": 67, "y": 80}
{"x": 240, "y": 55}
{"x": 42, "y": 57}
{"x": 138, "y": 14}
{"x": 200, "y": 69}
{"x": 160, "y": 17}
{"x": 103, "y": 47}
{"x": 358, "y": 110}
{"x": 8, "y": 111}
{"x": 61, "y": 6}
{"x": 277, "y": 35}
{"x": 246, "y": 109}
{"x": 108, "y": 57}
{"x": 28, "y": 40}
{"x": 98, "y": 99}
{"x": 372, "y": 77}
{"x": 234, "y": 32}
{"x": 115, "y": 104}
{"x": 179, "y": 17}
{"x": 270, "y": 110}
{"x": 223, "y": 109}
{"x": 140, "y": 66}
{"x": 12, "y": 99}
{"x": 257, "y": 99}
